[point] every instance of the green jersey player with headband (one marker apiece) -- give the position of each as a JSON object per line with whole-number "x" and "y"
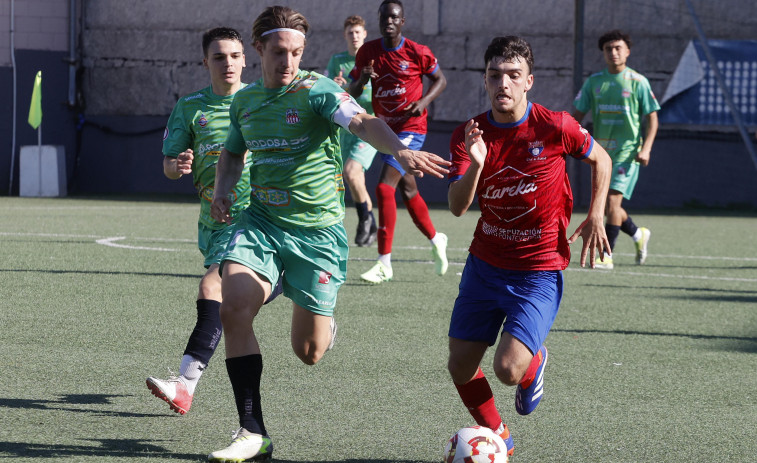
{"x": 289, "y": 120}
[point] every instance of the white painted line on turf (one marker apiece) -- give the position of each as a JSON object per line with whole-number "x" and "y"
{"x": 48, "y": 235}
{"x": 662, "y": 275}
{"x": 111, "y": 241}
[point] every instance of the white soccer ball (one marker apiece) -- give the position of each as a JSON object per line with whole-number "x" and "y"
{"x": 475, "y": 444}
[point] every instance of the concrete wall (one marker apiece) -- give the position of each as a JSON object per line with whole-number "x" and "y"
{"x": 138, "y": 57}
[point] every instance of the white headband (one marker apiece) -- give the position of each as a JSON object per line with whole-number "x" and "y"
{"x": 282, "y": 29}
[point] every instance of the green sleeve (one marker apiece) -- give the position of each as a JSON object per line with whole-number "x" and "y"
{"x": 326, "y": 96}
{"x": 177, "y": 136}
{"x": 648, "y": 101}
{"x": 583, "y": 101}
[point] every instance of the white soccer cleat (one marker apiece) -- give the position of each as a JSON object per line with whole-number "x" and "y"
{"x": 379, "y": 273}
{"x": 605, "y": 264}
{"x": 641, "y": 246}
{"x": 245, "y": 445}
{"x": 439, "y": 251}
{"x": 173, "y": 391}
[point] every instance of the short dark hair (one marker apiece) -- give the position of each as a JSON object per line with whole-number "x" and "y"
{"x": 509, "y": 48}
{"x": 354, "y": 20}
{"x": 278, "y": 17}
{"x": 612, "y": 36}
{"x": 219, "y": 33}
{"x": 396, "y": 2}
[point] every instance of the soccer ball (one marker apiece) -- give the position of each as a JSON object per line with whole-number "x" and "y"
{"x": 475, "y": 444}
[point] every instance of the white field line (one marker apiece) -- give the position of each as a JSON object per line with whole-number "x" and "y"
{"x": 112, "y": 242}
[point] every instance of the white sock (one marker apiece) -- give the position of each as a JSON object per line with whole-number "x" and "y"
{"x": 637, "y": 236}
{"x": 436, "y": 239}
{"x": 500, "y": 429}
{"x": 386, "y": 259}
{"x": 191, "y": 369}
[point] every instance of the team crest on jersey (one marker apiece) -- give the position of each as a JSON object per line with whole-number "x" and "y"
{"x": 202, "y": 121}
{"x": 404, "y": 65}
{"x": 626, "y": 93}
{"x": 535, "y": 148}
{"x": 165, "y": 133}
{"x": 292, "y": 116}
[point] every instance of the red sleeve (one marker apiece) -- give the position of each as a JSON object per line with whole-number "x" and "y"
{"x": 360, "y": 61}
{"x": 458, "y": 155}
{"x": 575, "y": 139}
{"x": 429, "y": 62}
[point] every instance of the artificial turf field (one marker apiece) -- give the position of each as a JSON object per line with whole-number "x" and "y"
{"x": 653, "y": 363}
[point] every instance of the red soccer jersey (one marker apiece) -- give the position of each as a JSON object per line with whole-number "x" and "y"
{"x": 523, "y": 191}
{"x": 400, "y": 80}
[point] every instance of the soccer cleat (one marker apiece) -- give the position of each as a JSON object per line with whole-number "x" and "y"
{"x": 605, "y": 264}
{"x": 173, "y": 391}
{"x": 505, "y": 435}
{"x": 528, "y": 394}
{"x": 366, "y": 231}
{"x": 245, "y": 445}
{"x": 379, "y": 273}
{"x": 439, "y": 251}
{"x": 641, "y": 246}
{"x": 333, "y": 334}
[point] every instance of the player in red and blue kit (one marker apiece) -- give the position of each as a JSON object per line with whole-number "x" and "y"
{"x": 512, "y": 160}
{"x": 395, "y": 66}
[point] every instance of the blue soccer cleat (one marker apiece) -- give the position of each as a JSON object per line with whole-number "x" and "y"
{"x": 529, "y": 392}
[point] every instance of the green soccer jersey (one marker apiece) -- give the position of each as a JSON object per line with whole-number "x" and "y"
{"x": 296, "y": 173}
{"x": 200, "y": 121}
{"x": 344, "y": 62}
{"x": 618, "y": 103}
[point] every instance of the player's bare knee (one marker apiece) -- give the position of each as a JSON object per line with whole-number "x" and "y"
{"x": 309, "y": 354}
{"x": 508, "y": 373}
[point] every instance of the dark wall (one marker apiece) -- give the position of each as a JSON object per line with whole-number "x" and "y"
{"x": 122, "y": 154}
{"x": 58, "y": 120}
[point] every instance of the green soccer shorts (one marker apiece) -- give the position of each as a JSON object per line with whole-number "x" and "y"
{"x": 355, "y": 148}
{"x": 624, "y": 177}
{"x": 212, "y": 243}
{"x": 315, "y": 259}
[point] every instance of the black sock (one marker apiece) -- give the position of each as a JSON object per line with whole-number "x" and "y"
{"x": 362, "y": 210}
{"x": 628, "y": 227}
{"x": 204, "y": 339}
{"x": 244, "y": 374}
{"x": 612, "y": 234}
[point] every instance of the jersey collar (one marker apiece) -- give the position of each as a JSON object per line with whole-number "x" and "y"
{"x": 508, "y": 125}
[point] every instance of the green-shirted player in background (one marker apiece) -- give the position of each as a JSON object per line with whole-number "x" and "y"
{"x": 356, "y": 154}
{"x": 192, "y": 142}
{"x": 289, "y": 120}
{"x": 619, "y": 98}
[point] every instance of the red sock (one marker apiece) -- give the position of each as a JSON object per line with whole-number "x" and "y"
{"x": 478, "y": 397}
{"x": 387, "y": 205}
{"x": 528, "y": 378}
{"x": 418, "y": 210}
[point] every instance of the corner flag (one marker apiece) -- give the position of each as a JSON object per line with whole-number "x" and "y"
{"x": 35, "y": 109}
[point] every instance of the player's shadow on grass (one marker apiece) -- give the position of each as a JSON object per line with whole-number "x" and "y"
{"x": 707, "y": 291}
{"x": 122, "y": 448}
{"x": 68, "y": 403}
{"x": 103, "y": 272}
{"x": 741, "y": 343}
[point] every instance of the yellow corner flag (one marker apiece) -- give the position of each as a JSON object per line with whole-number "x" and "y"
{"x": 35, "y": 109}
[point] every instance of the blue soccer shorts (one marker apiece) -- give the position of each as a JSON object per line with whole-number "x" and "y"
{"x": 412, "y": 140}
{"x": 521, "y": 303}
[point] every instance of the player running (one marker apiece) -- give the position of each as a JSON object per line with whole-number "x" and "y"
{"x": 289, "y": 121}
{"x": 512, "y": 160}
{"x": 357, "y": 154}
{"x": 619, "y": 98}
{"x": 395, "y": 66}
{"x": 192, "y": 141}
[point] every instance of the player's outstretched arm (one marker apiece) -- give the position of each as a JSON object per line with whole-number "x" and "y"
{"x": 461, "y": 192}
{"x": 592, "y": 230}
{"x": 375, "y": 131}
{"x": 228, "y": 172}
{"x": 174, "y": 168}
